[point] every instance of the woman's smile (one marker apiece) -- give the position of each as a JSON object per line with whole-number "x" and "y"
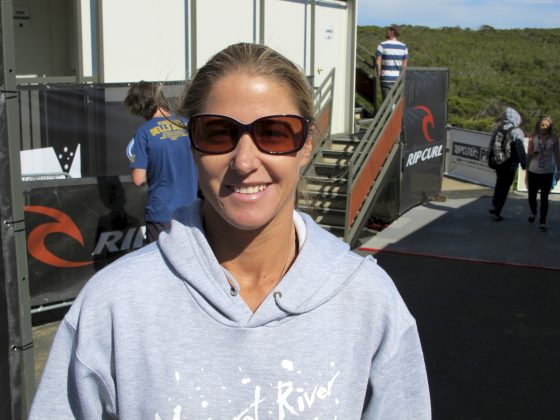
{"x": 249, "y": 189}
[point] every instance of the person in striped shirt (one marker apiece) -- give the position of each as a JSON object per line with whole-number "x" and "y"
{"x": 391, "y": 58}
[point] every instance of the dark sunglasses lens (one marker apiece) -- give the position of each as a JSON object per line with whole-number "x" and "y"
{"x": 279, "y": 134}
{"x": 214, "y": 134}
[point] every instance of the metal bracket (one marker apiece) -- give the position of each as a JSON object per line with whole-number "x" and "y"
{"x": 12, "y": 224}
{"x": 27, "y": 346}
{"x": 15, "y": 92}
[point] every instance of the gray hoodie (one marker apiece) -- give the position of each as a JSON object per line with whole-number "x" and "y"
{"x": 160, "y": 334}
{"x": 518, "y": 155}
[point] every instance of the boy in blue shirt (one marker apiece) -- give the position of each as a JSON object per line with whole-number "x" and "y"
{"x": 160, "y": 156}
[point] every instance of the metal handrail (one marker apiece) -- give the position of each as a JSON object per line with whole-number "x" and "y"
{"x": 360, "y": 53}
{"x": 324, "y": 93}
{"x": 364, "y": 150}
{"x": 322, "y": 98}
{"x": 367, "y": 143}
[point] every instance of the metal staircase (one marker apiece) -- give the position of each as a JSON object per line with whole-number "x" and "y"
{"x": 344, "y": 178}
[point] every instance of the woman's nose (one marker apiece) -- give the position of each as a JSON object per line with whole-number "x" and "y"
{"x": 246, "y": 155}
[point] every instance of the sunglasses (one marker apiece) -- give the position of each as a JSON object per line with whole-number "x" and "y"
{"x": 273, "y": 134}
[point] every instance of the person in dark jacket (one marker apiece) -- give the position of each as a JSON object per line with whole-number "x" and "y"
{"x": 505, "y": 173}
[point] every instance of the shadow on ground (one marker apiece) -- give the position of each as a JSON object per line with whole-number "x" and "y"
{"x": 486, "y": 297}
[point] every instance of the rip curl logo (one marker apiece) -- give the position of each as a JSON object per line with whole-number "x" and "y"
{"x": 36, "y": 245}
{"x": 426, "y": 121}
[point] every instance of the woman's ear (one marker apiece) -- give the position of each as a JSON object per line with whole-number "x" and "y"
{"x": 306, "y": 152}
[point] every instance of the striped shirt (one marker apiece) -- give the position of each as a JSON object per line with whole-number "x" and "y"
{"x": 392, "y": 53}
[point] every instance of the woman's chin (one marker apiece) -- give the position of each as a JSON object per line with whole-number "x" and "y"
{"x": 246, "y": 221}
{"x": 248, "y": 217}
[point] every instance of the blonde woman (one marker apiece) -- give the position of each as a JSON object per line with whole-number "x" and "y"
{"x": 246, "y": 309}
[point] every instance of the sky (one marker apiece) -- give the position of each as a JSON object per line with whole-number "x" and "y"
{"x": 500, "y": 14}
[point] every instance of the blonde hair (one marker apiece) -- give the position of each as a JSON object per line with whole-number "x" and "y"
{"x": 251, "y": 59}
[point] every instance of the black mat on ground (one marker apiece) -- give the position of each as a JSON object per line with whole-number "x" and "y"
{"x": 490, "y": 334}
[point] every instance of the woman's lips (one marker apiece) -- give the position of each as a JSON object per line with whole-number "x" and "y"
{"x": 249, "y": 189}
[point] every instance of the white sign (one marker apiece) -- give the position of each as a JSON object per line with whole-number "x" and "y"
{"x": 22, "y": 16}
{"x": 467, "y": 157}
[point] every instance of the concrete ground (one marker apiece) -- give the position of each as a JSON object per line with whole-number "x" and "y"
{"x": 44, "y": 328}
{"x": 486, "y": 297}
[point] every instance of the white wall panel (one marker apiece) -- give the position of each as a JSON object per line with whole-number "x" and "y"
{"x": 87, "y": 64}
{"x": 221, "y": 23}
{"x": 45, "y": 41}
{"x": 331, "y": 50}
{"x": 287, "y": 26}
{"x": 143, "y": 39}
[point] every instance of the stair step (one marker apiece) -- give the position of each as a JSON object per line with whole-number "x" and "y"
{"x": 314, "y": 190}
{"x": 323, "y": 205}
{"x": 325, "y": 179}
{"x": 330, "y": 159}
{"x": 327, "y": 164}
{"x": 330, "y": 169}
{"x": 321, "y": 184}
{"x": 340, "y": 148}
{"x": 326, "y": 218}
{"x": 316, "y": 211}
{"x": 341, "y": 161}
{"x": 365, "y": 121}
{"x": 331, "y": 172}
{"x": 328, "y": 190}
{"x": 334, "y": 229}
{"x": 345, "y": 138}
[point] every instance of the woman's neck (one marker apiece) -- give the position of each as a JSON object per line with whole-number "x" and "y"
{"x": 160, "y": 112}
{"x": 256, "y": 259}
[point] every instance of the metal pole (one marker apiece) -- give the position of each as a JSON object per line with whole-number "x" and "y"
{"x": 100, "y": 36}
{"x": 187, "y": 41}
{"x": 194, "y": 39}
{"x": 262, "y": 23}
{"x": 78, "y": 51}
{"x": 312, "y": 42}
{"x": 13, "y": 261}
{"x": 351, "y": 69}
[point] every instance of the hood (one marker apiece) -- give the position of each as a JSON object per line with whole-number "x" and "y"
{"x": 324, "y": 266}
{"x": 512, "y": 117}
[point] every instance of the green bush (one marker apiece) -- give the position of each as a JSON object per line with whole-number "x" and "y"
{"x": 488, "y": 69}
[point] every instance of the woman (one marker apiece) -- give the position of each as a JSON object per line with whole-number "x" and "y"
{"x": 543, "y": 154}
{"x": 246, "y": 309}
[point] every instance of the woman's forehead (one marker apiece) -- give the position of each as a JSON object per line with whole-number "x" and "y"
{"x": 241, "y": 93}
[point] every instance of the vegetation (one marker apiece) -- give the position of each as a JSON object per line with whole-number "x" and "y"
{"x": 488, "y": 70}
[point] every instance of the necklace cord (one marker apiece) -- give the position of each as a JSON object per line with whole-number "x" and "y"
{"x": 293, "y": 248}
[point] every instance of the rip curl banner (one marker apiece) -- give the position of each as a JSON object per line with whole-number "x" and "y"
{"x": 76, "y": 227}
{"x": 424, "y": 136}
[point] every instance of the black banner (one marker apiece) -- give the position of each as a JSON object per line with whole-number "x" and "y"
{"x": 424, "y": 128}
{"x": 92, "y": 116}
{"x": 76, "y": 227}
